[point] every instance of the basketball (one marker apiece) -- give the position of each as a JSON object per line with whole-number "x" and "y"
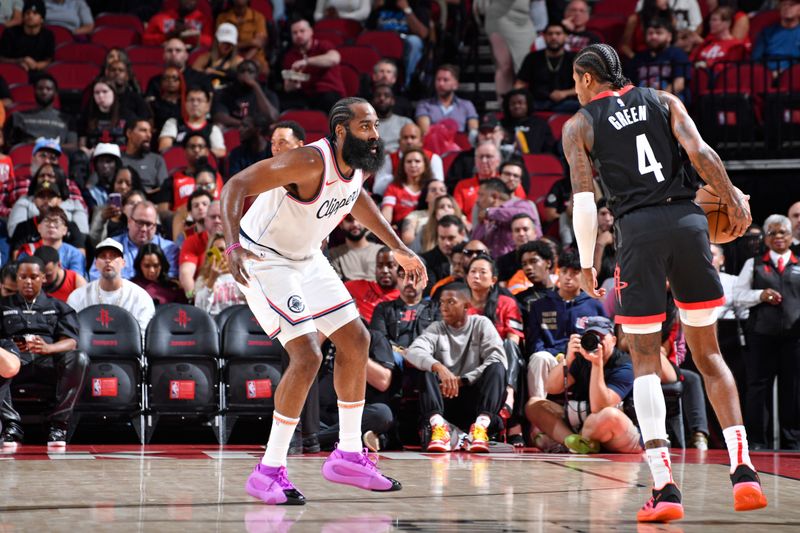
{"x": 717, "y": 214}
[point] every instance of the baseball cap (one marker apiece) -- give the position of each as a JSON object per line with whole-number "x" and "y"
{"x": 598, "y": 324}
{"x": 106, "y": 149}
{"x": 227, "y": 33}
{"x": 488, "y": 122}
{"x": 43, "y": 143}
{"x": 109, "y": 243}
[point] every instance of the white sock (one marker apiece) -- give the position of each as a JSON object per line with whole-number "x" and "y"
{"x": 648, "y": 399}
{"x": 483, "y": 421}
{"x": 437, "y": 420}
{"x": 279, "y": 438}
{"x": 660, "y": 466}
{"x": 350, "y": 425}
{"x": 738, "y": 450}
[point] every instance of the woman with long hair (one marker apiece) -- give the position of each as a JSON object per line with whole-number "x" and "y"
{"x": 104, "y": 119}
{"x": 151, "y": 269}
{"x": 402, "y": 195}
{"x": 413, "y": 223}
{"x": 216, "y": 289}
{"x": 109, "y": 219}
{"x": 443, "y": 205}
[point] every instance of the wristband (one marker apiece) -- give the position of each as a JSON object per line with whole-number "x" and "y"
{"x": 232, "y": 247}
{"x": 408, "y": 11}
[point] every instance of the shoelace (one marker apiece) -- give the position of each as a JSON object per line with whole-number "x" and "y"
{"x": 365, "y": 459}
{"x": 479, "y": 433}
{"x": 439, "y": 433}
{"x": 283, "y": 480}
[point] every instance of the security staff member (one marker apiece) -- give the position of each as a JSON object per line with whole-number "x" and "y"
{"x": 45, "y": 331}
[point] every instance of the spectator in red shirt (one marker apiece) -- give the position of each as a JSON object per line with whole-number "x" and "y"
{"x": 720, "y": 45}
{"x": 186, "y": 23}
{"x": 316, "y": 61}
{"x": 59, "y": 282}
{"x": 487, "y": 162}
{"x": 368, "y": 294}
{"x": 194, "y": 249}
{"x": 402, "y": 195}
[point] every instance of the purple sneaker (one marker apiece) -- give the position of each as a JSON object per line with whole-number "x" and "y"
{"x": 358, "y": 470}
{"x": 270, "y": 485}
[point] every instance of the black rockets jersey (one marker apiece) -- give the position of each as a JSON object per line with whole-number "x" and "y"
{"x": 635, "y": 152}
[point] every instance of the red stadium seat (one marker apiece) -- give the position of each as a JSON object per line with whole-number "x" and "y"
{"x": 232, "y": 139}
{"x": 119, "y": 20}
{"x": 310, "y": 120}
{"x": 610, "y": 27}
{"x": 153, "y": 55}
{"x": 761, "y": 21}
{"x": 113, "y": 37}
{"x": 144, "y": 72}
{"x": 22, "y": 94}
{"x": 544, "y": 171}
{"x": 81, "y": 52}
{"x": 61, "y": 34}
{"x": 350, "y": 28}
{"x": 615, "y": 7}
{"x": 175, "y": 158}
{"x": 72, "y": 76}
{"x": 351, "y": 80}
{"x": 387, "y": 43}
{"x": 362, "y": 58}
{"x": 556, "y": 123}
{"x": 13, "y": 74}
{"x": 315, "y": 135}
{"x": 334, "y": 37}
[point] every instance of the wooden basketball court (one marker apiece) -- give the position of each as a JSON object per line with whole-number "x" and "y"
{"x": 201, "y": 488}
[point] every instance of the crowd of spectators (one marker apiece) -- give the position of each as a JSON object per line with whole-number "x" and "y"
{"x": 110, "y": 195}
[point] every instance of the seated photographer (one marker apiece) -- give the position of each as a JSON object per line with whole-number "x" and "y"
{"x": 553, "y": 318}
{"x": 464, "y": 373}
{"x": 599, "y": 379}
{"x": 45, "y": 331}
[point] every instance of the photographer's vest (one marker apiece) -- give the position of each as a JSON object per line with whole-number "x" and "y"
{"x": 783, "y": 319}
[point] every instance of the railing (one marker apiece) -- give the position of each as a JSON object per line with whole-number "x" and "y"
{"x": 745, "y": 110}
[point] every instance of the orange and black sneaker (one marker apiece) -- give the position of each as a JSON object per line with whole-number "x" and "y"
{"x": 747, "y": 493}
{"x": 664, "y": 506}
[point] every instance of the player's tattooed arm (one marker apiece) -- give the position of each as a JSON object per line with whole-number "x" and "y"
{"x": 708, "y": 163}
{"x": 578, "y": 139}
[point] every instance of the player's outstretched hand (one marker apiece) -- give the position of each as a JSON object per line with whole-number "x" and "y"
{"x": 739, "y": 216}
{"x": 412, "y": 265}
{"x": 236, "y": 264}
{"x": 589, "y": 283}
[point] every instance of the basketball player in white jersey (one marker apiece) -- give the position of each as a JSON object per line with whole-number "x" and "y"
{"x": 274, "y": 255}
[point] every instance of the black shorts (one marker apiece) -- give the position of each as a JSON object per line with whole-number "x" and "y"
{"x": 660, "y": 243}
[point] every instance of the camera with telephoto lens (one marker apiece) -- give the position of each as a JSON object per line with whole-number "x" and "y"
{"x": 590, "y": 341}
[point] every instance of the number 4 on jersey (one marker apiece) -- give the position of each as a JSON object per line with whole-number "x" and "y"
{"x": 647, "y": 159}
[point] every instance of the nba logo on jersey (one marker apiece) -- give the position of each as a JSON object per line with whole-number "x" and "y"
{"x": 620, "y": 102}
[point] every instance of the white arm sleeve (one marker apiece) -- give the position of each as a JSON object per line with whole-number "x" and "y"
{"x": 584, "y": 223}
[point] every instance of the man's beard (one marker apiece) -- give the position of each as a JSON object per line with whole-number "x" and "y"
{"x": 144, "y": 148}
{"x": 109, "y": 276}
{"x": 44, "y": 103}
{"x": 358, "y": 154}
{"x": 355, "y": 237}
{"x": 555, "y": 47}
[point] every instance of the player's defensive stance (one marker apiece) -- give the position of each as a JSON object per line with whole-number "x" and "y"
{"x": 633, "y": 137}
{"x": 274, "y": 255}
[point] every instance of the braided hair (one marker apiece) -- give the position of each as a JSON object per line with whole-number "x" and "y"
{"x": 342, "y": 112}
{"x": 602, "y": 62}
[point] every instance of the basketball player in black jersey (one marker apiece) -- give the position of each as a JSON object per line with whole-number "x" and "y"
{"x": 634, "y": 138}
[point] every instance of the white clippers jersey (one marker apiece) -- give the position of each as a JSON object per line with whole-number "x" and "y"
{"x": 296, "y": 229}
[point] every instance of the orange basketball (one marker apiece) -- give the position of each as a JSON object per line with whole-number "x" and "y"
{"x": 717, "y": 214}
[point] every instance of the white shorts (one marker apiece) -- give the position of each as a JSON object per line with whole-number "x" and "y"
{"x": 294, "y": 298}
